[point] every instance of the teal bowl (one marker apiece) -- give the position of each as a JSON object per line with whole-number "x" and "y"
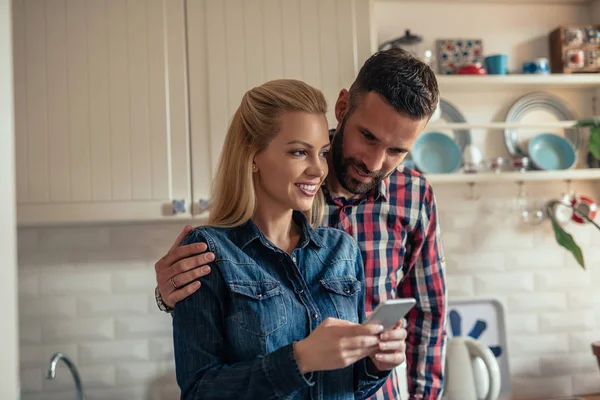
{"x": 551, "y": 152}
{"x": 436, "y": 153}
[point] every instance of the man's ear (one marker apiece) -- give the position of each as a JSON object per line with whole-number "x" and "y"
{"x": 342, "y": 105}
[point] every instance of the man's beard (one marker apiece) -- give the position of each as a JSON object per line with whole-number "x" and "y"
{"x": 342, "y": 165}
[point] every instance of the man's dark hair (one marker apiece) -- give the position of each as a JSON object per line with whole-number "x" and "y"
{"x": 404, "y": 82}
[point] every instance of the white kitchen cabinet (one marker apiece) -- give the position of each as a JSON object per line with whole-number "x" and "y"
{"x": 101, "y": 110}
{"x": 235, "y": 45}
{"x": 122, "y": 106}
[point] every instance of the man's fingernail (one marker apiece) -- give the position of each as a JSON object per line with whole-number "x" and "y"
{"x": 379, "y": 328}
{"x": 210, "y": 257}
{"x": 206, "y": 270}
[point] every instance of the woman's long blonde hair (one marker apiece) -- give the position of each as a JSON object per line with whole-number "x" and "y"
{"x": 255, "y": 123}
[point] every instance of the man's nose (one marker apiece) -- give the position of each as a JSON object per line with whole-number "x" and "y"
{"x": 374, "y": 160}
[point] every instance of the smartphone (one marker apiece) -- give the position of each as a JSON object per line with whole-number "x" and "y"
{"x": 390, "y": 312}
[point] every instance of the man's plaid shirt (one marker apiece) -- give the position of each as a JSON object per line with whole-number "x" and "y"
{"x": 397, "y": 229}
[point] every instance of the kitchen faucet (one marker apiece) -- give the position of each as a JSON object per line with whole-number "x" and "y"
{"x": 52, "y": 372}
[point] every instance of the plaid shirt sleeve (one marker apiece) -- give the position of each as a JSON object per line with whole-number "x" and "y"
{"x": 425, "y": 344}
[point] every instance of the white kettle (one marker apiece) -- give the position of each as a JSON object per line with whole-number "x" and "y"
{"x": 472, "y": 371}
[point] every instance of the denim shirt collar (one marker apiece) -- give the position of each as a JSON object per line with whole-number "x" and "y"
{"x": 245, "y": 234}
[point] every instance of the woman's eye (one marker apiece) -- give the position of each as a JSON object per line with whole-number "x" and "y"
{"x": 298, "y": 153}
{"x": 324, "y": 153}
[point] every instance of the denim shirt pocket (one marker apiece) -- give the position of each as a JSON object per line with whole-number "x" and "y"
{"x": 343, "y": 292}
{"x": 259, "y": 307}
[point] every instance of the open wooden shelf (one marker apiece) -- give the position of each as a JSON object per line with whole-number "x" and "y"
{"x": 487, "y": 82}
{"x": 499, "y": 125}
{"x": 529, "y": 176}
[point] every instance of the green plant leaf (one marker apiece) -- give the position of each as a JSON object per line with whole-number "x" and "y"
{"x": 595, "y": 141}
{"x": 566, "y": 240}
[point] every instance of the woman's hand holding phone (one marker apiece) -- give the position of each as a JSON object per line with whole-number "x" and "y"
{"x": 335, "y": 344}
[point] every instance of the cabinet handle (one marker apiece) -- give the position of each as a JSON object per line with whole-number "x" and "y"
{"x": 179, "y": 206}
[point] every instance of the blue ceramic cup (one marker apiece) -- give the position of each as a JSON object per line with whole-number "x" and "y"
{"x": 497, "y": 64}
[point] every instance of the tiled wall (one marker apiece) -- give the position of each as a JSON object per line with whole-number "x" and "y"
{"x": 88, "y": 291}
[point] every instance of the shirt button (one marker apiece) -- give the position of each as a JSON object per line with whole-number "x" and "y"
{"x": 294, "y": 258}
{"x": 347, "y": 291}
{"x": 259, "y": 295}
{"x": 300, "y": 291}
{"x": 315, "y": 315}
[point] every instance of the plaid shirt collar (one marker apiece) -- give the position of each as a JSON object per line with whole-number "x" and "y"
{"x": 377, "y": 193}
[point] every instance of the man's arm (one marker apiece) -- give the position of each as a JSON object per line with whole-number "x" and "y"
{"x": 178, "y": 270}
{"x": 425, "y": 344}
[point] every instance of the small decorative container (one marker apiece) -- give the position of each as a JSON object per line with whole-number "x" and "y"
{"x": 575, "y": 49}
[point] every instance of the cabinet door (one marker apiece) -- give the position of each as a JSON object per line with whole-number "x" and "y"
{"x": 101, "y": 110}
{"x": 234, "y": 45}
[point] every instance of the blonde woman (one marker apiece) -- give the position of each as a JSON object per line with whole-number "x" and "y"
{"x": 280, "y": 315}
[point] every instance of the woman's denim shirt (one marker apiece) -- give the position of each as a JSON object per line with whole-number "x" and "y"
{"x": 234, "y": 337}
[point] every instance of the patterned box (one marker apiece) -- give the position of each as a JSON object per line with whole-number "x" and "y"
{"x": 454, "y": 53}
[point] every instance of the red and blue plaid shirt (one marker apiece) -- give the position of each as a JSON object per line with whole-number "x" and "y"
{"x": 397, "y": 229}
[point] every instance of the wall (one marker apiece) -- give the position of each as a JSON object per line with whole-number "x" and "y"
{"x": 88, "y": 290}
{"x": 8, "y": 266}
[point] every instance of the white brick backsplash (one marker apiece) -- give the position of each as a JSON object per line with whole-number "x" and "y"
{"x": 95, "y": 302}
{"x": 522, "y": 323}
{"x": 38, "y": 356}
{"x": 582, "y": 341}
{"x": 150, "y": 326}
{"x": 137, "y": 373}
{"x": 543, "y": 257}
{"x": 161, "y": 349}
{"x": 544, "y": 387}
{"x": 525, "y": 366}
{"x": 584, "y": 299}
{"x": 114, "y": 352}
{"x": 27, "y": 239}
{"x": 95, "y": 376}
{"x": 48, "y": 307}
{"x": 29, "y": 285}
{"x": 78, "y": 331}
{"x": 70, "y": 394}
{"x": 572, "y": 278}
{"x": 563, "y": 364}
{"x": 475, "y": 263}
{"x": 537, "y": 302}
{"x": 139, "y": 392}
{"x": 31, "y": 379}
{"x": 498, "y": 238}
{"x": 460, "y": 286}
{"x": 158, "y": 236}
{"x": 74, "y": 239}
{"x": 30, "y": 332}
{"x": 457, "y": 241}
{"x": 75, "y": 283}
{"x": 566, "y": 321}
{"x": 134, "y": 281}
{"x": 539, "y": 344}
{"x": 503, "y": 283}
{"x": 114, "y": 305}
{"x": 587, "y": 383}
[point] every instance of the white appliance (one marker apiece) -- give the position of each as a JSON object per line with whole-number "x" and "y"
{"x": 472, "y": 372}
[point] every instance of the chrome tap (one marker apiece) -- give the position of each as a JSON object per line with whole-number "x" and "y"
{"x": 52, "y": 372}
